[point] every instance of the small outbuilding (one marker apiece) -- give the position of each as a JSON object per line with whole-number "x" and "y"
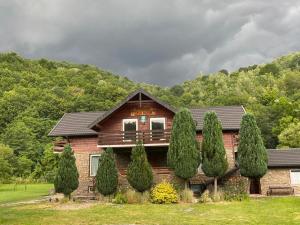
{"x": 283, "y": 176}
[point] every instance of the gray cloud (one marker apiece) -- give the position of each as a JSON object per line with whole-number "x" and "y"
{"x": 162, "y": 42}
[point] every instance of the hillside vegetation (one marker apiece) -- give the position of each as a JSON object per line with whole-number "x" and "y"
{"x": 34, "y": 94}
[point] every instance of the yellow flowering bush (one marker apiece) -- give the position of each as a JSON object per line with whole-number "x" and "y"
{"x": 164, "y": 193}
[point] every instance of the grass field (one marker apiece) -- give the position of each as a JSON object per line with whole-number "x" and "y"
{"x": 261, "y": 211}
{"x": 12, "y": 193}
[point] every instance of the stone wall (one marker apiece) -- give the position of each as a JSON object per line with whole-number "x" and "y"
{"x": 277, "y": 177}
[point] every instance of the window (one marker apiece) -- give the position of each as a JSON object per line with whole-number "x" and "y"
{"x": 130, "y": 127}
{"x": 94, "y": 161}
{"x": 295, "y": 177}
{"x": 157, "y": 126}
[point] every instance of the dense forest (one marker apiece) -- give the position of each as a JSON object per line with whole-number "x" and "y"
{"x": 34, "y": 94}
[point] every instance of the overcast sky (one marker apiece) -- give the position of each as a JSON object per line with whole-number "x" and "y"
{"x": 163, "y": 42}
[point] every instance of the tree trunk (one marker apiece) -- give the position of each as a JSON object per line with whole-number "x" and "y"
{"x": 185, "y": 184}
{"x": 215, "y": 186}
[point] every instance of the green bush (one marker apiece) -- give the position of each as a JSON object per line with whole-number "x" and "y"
{"x": 134, "y": 197}
{"x": 205, "y": 197}
{"x": 219, "y": 196}
{"x": 187, "y": 195}
{"x": 164, "y": 193}
{"x": 235, "y": 189}
{"x": 120, "y": 198}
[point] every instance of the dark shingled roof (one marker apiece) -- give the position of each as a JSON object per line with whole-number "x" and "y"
{"x": 75, "y": 124}
{"x": 80, "y": 124}
{"x": 284, "y": 158}
{"x": 230, "y": 116}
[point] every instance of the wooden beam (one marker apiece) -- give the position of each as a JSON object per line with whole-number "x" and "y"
{"x": 140, "y": 99}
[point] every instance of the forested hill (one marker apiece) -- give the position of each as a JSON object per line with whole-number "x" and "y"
{"x": 34, "y": 94}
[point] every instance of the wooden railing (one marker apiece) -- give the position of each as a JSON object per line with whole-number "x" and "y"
{"x": 157, "y": 170}
{"x": 59, "y": 146}
{"x": 132, "y": 137}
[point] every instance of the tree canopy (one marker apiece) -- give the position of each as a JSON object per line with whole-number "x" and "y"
{"x": 34, "y": 94}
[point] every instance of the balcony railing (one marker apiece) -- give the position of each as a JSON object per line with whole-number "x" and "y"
{"x": 132, "y": 137}
{"x": 59, "y": 146}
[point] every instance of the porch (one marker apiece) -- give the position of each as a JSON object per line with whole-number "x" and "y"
{"x": 157, "y": 157}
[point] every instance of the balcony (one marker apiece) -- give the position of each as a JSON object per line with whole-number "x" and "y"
{"x": 59, "y": 146}
{"x": 130, "y": 138}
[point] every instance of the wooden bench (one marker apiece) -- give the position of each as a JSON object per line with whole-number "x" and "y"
{"x": 280, "y": 190}
{"x": 84, "y": 197}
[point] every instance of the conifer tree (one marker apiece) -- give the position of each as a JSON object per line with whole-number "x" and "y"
{"x": 107, "y": 173}
{"x": 66, "y": 180}
{"x": 252, "y": 155}
{"x": 139, "y": 171}
{"x": 183, "y": 154}
{"x": 214, "y": 158}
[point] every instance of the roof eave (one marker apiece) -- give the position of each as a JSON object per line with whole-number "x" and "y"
{"x": 72, "y": 135}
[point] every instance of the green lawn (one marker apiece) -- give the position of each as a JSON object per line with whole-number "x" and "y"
{"x": 33, "y": 191}
{"x": 261, "y": 211}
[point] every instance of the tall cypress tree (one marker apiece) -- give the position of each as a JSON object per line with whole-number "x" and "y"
{"x": 252, "y": 155}
{"x": 66, "y": 180}
{"x": 139, "y": 171}
{"x": 107, "y": 173}
{"x": 213, "y": 151}
{"x": 184, "y": 155}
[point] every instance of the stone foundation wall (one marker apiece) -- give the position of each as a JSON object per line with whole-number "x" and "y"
{"x": 277, "y": 177}
{"x": 157, "y": 178}
{"x": 83, "y": 148}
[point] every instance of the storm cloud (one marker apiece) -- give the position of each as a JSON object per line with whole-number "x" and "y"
{"x": 162, "y": 42}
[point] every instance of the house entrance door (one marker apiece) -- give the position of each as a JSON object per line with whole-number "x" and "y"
{"x": 255, "y": 186}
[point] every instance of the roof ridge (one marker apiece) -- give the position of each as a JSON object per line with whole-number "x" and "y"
{"x": 219, "y": 106}
{"x": 86, "y": 112}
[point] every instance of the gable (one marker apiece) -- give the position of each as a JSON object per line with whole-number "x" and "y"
{"x": 137, "y": 97}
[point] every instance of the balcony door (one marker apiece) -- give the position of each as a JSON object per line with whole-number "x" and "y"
{"x": 130, "y": 126}
{"x": 157, "y": 127}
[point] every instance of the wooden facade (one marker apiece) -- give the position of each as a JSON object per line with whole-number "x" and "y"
{"x": 111, "y": 130}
